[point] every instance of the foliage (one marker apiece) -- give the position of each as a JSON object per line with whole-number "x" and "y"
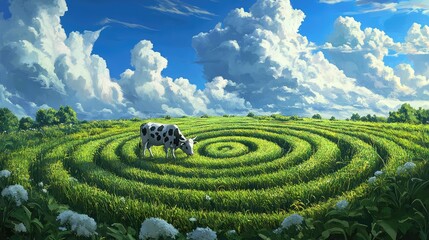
{"x": 250, "y": 114}
{"x": 26, "y": 123}
{"x": 248, "y": 175}
{"x": 66, "y": 115}
{"x": 205, "y": 116}
{"x": 46, "y": 117}
{"x": 355, "y": 117}
{"x": 332, "y": 118}
{"x": 167, "y": 117}
{"x": 407, "y": 114}
{"x": 8, "y": 121}
{"x": 316, "y": 116}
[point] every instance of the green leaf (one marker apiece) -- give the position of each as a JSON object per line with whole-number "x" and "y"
{"x": 344, "y": 224}
{"x": 388, "y": 228}
{"x": 335, "y": 230}
{"x": 120, "y": 227}
{"x": 263, "y": 236}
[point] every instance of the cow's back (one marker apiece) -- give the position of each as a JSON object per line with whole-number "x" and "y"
{"x": 157, "y": 133}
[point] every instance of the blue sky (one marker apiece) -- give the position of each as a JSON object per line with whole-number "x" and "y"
{"x": 170, "y": 25}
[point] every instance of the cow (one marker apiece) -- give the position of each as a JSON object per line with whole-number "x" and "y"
{"x": 169, "y": 135}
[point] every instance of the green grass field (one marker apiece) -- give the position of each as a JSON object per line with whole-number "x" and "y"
{"x": 246, "y": 173}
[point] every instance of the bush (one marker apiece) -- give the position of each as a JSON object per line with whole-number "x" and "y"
{"x": 332, "y": 118}
{"x": 225, "y": 115}
{"x": 205, "y": 116}
{"x": 167, "y": 117}
{"x": 66, "y": 115}
{"x": 46, "y": 117}
{"x": 250, "y": 114}
{"x": 316, "y": 116}
{"x": 26, "y": 123}
{"x": 8, "y": 121}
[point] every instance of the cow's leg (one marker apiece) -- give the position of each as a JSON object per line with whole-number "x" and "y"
{"x": 166, "y": 151}
{"x": 144, "y": 148}
{"x": 150, "y": 150}
{"x": 172, "y": 153}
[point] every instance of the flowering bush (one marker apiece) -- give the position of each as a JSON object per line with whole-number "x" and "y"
{"x": 202, "y": 234}
{"x": 81, "y": 224}
{"x": 155, "y": 228}
{"x": 16, "y": 192}
{"x": 371, "y": 180}
{"x": 341, "y": 205}
{"x": 20, "y": 228}
{"x": 294, "y": 219}
{"x": 4, "y": 173}
{"x": 378, "y": 173}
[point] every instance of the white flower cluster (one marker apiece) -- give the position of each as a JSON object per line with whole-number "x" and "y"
{"x": 20, "y": 228}
{"x": 341, "y": 205}
{"x": 4, "y": 173}
{"x": 192, "y": 219}
{"x": 202, "y": 234}
{"x": 407, "y": 167}
{"x": 378, "y": 173}
{"x": 155, "y": 228}
{"x": 81, "y": 224}
{"x": 208, "y": 198}
{"x": 294, "y": 219}
{"x": 16, "y": 192}
{"x": 371, "y": 180}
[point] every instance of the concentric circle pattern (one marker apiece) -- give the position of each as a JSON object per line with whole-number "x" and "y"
{"x": 246, "y": 173}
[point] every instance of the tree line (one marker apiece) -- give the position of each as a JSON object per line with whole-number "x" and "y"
{"x": 44, "y": 117}
{"x": 405, "y": 114}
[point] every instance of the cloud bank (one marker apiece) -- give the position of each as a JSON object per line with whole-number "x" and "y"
{"x": 253, "y": 60}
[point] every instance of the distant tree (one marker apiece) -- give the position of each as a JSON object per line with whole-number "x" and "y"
{"x": 364, "y": 119}
{"x": 422, "y": 115}
{"x": 66, "y": 115}
{"x": 225, "y": 115}
{"x": 26, "y": 123}
{"x": 205, "y": 116}
{"x": 355, "y": 117}
{"x": 8, "y": 121}
{"x": 167, "y": 117}
{"x": 405, "y": 114}
{"x": 46, "y": 117}
{"x": 316, "y": 116}
{"x": 250, "y": 114}
{"x": 332, "y": 118}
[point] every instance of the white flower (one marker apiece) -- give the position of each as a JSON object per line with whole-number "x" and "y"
{"x": 294, "y": 219}
{"x": 20, "y": 228}
{"x": 16, "y": 192}
{"x": 208, "y": 198}
{"x": 62, "y": 229}
{"x": 231, "y": 232}
{"x": 409, "y": 165}
{"x": 81, "y": 224}
{"x": 192, "y": 219}
{"x": 72, "y": 179}
{"x": 44, "y": 191}
{"x": 342, "y": 204}
{"x": 371, "y": 180}
{"x": 202, "y": 234}
{"x": 155, "y": 228}
{"x": 4, "y": 173}
{"x": 40, "y": 184}
{"x": 378, "y": 173}
{"x": 278, "y": 230}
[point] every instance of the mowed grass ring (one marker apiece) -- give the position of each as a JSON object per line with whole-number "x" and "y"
{"x": 245, "y": 173}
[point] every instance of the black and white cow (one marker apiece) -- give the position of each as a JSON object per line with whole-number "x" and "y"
{"x": 157, "y": 134}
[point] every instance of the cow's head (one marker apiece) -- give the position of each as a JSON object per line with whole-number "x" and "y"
{"x": 187, "y": 145}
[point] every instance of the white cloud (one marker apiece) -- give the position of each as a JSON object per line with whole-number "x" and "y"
{"x": 123, "y": 23}
{"x": 151, "y": 93}
{"x": 42, "y": 65}
{"x": 179, "y": 7}
{"x": 263, "y": 50}
{"x": 394, "y": 6}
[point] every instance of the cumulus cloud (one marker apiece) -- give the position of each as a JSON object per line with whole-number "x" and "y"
{"x": 151, "y": 93}
{"x": 361, "y": 53}
{"x": 40, "y": 64}
{"x": 263, "y": 51}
